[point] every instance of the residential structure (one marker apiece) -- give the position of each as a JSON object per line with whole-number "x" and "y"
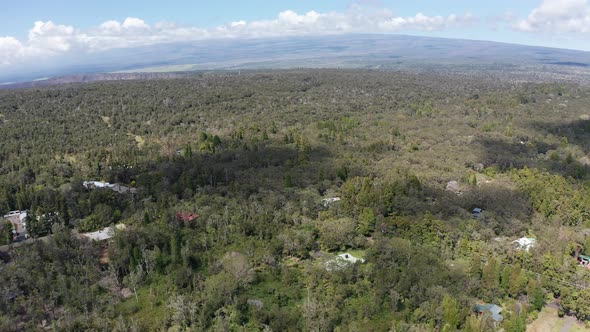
{"x": 18, "y": 220}
{"x": 453, "y": 186}
{"x": 584, "y": 260}
{"x": 103, "y": 234}
{"x": 341, "y": 261}
{"x": 113, "y": 186}
{"x": 328, "y": 201}
{"x": 185, "y": 216}
{"x": 490, "y": 310}
{"x": 97, "y": 184}
{"x": 525, "y": 243}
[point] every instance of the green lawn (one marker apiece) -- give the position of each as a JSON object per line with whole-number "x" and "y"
{"x": 549, "y": 321}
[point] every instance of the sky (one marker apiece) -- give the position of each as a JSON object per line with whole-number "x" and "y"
{"x": 37, "y": 30}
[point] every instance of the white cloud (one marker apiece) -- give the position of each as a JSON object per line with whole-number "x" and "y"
{"x": 10, "y": 49}
{"x": 564, "y": 16}
{"x": 48, "y": 39}
{"x": 135, "y": 23}
{"x": 426, "y": 23}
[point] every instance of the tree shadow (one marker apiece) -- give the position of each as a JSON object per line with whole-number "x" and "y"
{"x": 247, "y": 170}
{"x": 537, "y": 154}
{"x": 575, "y": 132}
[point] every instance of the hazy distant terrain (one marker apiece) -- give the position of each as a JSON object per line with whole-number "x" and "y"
{"x": 384, "y": 52}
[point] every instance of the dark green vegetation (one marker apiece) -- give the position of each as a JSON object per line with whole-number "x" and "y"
{"x": 254, "y": 155}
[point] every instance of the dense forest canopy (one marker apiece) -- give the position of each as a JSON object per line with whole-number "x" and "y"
{"x": 246, "y": 188}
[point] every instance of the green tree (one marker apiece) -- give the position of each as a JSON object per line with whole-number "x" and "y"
{"x": 337, "y": 234}
{"x": 475, "y": 265}
{"x": 451, "y": 312}
{"x": 551, "y": 273}
{"x": 216, "y": 141}
{"x": 188, "y": 151}
{"x": 536, "y": 295}
{"x": 5, "y": 232}
{"x": 175, "y": 248}
{"x": 514, "y": 322}
{"x": 367, "y": 221}
{"x": 490, "y": 278}
{"x": 582, "y": 305}
{"x": 505, "y": 282}
{"x": 288, "y": 181}
{"x": 516, "y": 281}
{"x": 472, "y": 324}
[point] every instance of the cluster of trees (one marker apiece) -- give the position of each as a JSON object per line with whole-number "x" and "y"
{"x": 254, "y": 156}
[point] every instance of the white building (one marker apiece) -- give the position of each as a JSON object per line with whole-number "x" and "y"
{"x": 525, "y": 243}
{"x": 328, "y": 201}
{"x": 97, "y": 184}
{"x": 18, "y": 220}
{"x": 103, "y": 234}
{"x": 341, "y": 261}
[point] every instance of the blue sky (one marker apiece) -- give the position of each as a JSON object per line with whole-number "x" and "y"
{"x": 34, "y": 29}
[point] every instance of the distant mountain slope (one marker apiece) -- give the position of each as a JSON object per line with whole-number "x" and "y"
{"x": 397, "y": 52}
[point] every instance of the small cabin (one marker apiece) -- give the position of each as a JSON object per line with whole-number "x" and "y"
{"x": 489, "y": 310}
{"x": 185, "y": 216}
{"x": 584, "y": 260}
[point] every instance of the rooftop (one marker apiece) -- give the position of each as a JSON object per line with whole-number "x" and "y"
{"x": 493, "y": 310}
{"x": 103, "y": 234}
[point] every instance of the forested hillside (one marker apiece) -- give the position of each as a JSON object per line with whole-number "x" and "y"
{"x": 234, "y": 223}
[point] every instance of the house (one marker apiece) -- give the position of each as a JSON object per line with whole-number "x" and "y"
{"x": 584, "y": 260}
{"x": 453, "y": 186}
{"x": 328, "y": 201}
{"x": 103, "y": 234}
{"x": 342, "y": 261}
{"x": 113, "y": 186}
{"x": 18, "y": 220}
{"x": 123, "y": 189}
{"x": 477, "y": 212}
{"x": 97, "y": 184}
{"x": 489, "y": 310}
{"x": 525, "y": 243}
{"x": 350, "y": 258}
{"x": 184, "y": 216}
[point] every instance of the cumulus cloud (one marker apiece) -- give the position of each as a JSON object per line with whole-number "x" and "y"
{"x": 48, "y": 39}
{"x": 569, "y": 16}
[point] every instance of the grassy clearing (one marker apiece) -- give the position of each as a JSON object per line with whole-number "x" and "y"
{"x": 140, "y": 141}
{"x": 106, "y": 120}
{"x": 149, "y": 309}
{"x": 358, "y": 253}
{"x": 549, "y": 321}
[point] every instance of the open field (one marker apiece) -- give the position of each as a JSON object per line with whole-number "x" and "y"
{"x": 549, "y": 321}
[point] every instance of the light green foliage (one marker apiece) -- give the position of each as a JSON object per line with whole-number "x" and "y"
{"x": 336, "y": 234}
{"x": 367, "y": 221}
{"x": 554, "y": 196}
{"x": 451, "y": 312}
